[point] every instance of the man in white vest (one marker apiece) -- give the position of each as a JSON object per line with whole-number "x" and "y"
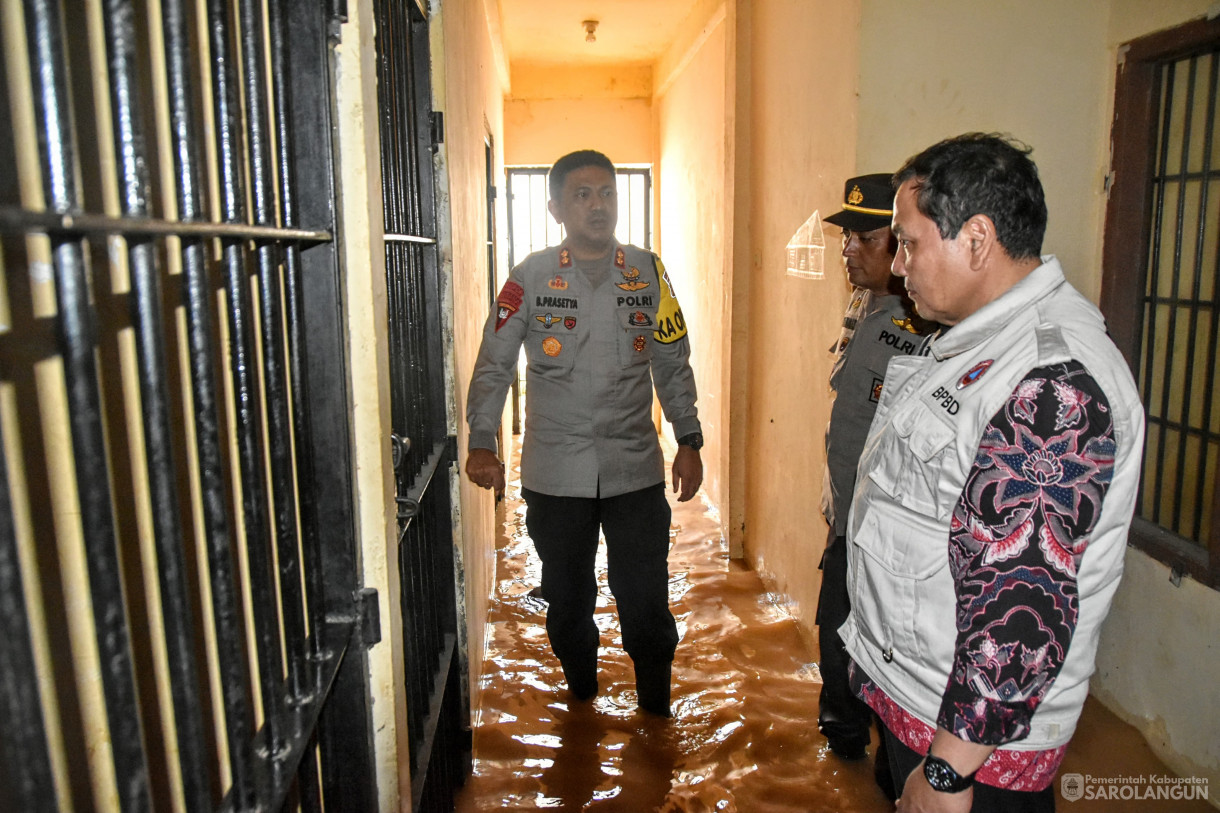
{"x": 994, "y": 495}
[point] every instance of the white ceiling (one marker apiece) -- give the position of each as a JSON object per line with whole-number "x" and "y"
{"x": 628, "y": 31}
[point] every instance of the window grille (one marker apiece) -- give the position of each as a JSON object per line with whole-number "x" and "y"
{"x": 1161, "y": 280}
{"x": 531, "y": 227}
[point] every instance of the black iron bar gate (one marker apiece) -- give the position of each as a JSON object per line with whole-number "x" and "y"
{"x": 437, "y": 712}
{"x": 181, "y": 622}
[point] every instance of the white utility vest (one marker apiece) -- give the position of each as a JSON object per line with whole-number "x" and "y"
{"x": 902, "y": 629}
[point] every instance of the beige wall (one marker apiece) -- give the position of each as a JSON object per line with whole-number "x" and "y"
{"x": 363, "y": 259}
{"x": 692, "y": 224}
{"x": 1037, "y": 70}
{"x": 1043, "y": 70}
{"x": 553, "y": 110}
{"x": 801, "y": 144}
{"x": 469, "y": 90}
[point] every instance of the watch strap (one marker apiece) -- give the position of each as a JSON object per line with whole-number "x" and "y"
{"x": 944, "y": 777}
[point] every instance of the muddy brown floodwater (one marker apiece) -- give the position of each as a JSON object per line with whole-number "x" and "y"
{"x": 744, "y": 735}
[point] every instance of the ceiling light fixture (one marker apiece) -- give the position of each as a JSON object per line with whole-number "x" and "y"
{"x": 590, "y": 30}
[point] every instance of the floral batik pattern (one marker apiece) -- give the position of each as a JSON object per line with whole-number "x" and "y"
{"x": 1017, "y": 537}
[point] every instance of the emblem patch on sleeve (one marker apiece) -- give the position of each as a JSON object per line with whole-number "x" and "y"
{"x": 508, "y": 302}
{"x": 671, "y": 324}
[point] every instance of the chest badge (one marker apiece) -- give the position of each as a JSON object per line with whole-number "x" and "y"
{"x": 640, "y": 343}
{"x": 974, "y": 373}
{"x": 631, "y": 280}
{"x": 640, "y": 319}
{"x": 569, "y": 322}
{"x": 547, "y": 320}
{"x": 551, "y": 346}
{"x": 557, "y": 284}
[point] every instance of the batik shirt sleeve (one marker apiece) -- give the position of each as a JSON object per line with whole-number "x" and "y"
{"x": 1018, "y": 535}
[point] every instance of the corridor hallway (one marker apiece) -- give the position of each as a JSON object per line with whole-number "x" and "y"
{"x": 744, "y": 736}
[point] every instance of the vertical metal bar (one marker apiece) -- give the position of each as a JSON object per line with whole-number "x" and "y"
{"x": 309, "y": 651}
{"x": 119, "y": 21}
{"x": 1175, "y": 301}
{"x": 1204, "y": 228}
{"x": 281, "y": 73}
{"x": 261, "y": 170}
{"x": 197, "y": 298}
{"x": 30, "y": 786}
{"x": 345, "y": 740}
{"x": 77, "y": 338}
{"x": 245, "y": 382}
{"x": 1153, "y": 298}
{"x": 648, "y": 209}
{"x": 25, "y": 762}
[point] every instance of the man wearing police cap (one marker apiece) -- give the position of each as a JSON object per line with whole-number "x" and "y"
{"x": 879, "y": 324}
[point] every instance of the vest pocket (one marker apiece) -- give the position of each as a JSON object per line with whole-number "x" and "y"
{"x": 635, "y": 337}
{"x": 914, "y": 462}
{"x": 906, "y": 543}
{"x": 550, "y": 350}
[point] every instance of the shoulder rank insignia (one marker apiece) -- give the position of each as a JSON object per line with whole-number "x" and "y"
{"x": 907, "y": 324}
{"x": 508, "y": 302}
{"x": 547, "y": 320}
{"x": 631, "y": 280}
{"x": 557, "y": 284}
{"x": 974, "y": 373}
{"x": 551, "y": 346}
{"x": 620, "y": 258}
{"x": 565, "y": 258}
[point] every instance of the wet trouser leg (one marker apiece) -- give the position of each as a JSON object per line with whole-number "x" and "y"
{"x": 843, "y": 718}
{"x": 636, "y": 526}
{"x": 564, "y": 532}
{"x": 987, "y": 799}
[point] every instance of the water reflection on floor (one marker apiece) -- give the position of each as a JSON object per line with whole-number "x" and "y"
{"x": 744, "y": 734}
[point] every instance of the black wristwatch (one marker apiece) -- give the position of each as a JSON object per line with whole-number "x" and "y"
{"x": 942, "y": 777}
{"x": 693, "y": 440}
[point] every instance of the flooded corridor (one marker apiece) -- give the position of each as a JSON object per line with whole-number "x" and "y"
{"x": 744, "y": 736}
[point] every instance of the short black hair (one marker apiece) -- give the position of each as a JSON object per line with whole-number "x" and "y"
{"x": 571, "y": 161}
{"x": 981, "y": 173}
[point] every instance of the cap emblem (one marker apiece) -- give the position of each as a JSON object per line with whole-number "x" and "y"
{"x": 856, "y": 197}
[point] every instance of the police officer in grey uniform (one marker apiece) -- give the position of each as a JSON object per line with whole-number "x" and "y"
{"x": 601, "y": 326}
{"x": 880, "y": 323}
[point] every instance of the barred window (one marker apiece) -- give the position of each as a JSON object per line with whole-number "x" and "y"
{"x": 1159, "y": 292}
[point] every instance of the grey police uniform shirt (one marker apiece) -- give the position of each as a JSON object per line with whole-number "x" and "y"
{"x": 882, "y": 333}
{"x": 593, "y": 356}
